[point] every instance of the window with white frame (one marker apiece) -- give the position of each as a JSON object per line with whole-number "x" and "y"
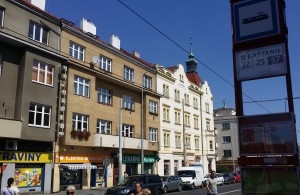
{"x": 188, "y": 142}
{"x": 177, "y": 117}
{"x": 207, "y": 125}
{"x": 127, "y": 131}
{"x": 211, "y": 145}
{"x": 81, "y": 86}
{"x": 153, "y": 134}
{"x": 178, "y": 140}
{"x": 166, "y": 114}
{"x": 226, "y": 139}
{"x": 1, "y": 16}
{"x": 76, "y": 51}
{"x": 103, "y": 126}
{"x": 165, "y": 90}
{"x": 80, "y": 122}
{"x": 227, "y": 153}
{"x": 42, "y": 73}
{"x": 181, "y": 78}
{"x": 195, "y": 103}
{"x": 207, "y": 107}
{"x": 197, "y": 143}
{"x": 196, "y": 122}
{"x": 153, "y": 107}
{"x": 1, "y": 63}
{"x": 39, "y": 115}
{"x": 186, "y": 99}
{"x": 105, "y": 63}
{"x": 38, "y": 32}
{"x": 166, "y": 139}
{"x": 226, "y": 126}
{"x": 128, "y": 74}
{"x": 187, "y": 120}
{"x": 177, "y": 95}
{"x": 147, "y": 82}
{"x": 128, "y": 102}
{"x": 104, "y": 95}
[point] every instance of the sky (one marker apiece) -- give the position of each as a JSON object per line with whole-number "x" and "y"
{"x": 161, "y": 31}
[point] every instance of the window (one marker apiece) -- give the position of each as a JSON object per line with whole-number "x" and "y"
{"x": 178, "y": 140}
{"x": 196, "y": 122}
{"x": 39, "y": 115}
{"x": 80, "y": 122}
{"x": 81, "y": 86}
{"x": 177, "y": 95}
{"x": 166, "y": 114}
{"x": 104, "y": 95}
{"x": 105, "y": 63}
{"x": 128, "y": 74}
{"x": 188, "y": 142}
{"x": 226, "y": 126}
{"x": 128, "y": 102}
{"x": 166, "y": 139}
{"x": 187, "y": 120}
{"x": 186, "y": 99}
{"x": 165, "y": 90}
{"x": 76, "y": 51}
{"x": 197, "y": 143}
{"x": 103, "y": 126}
{"x": 153, "y": 107}
{"x": 1, "y": 16}
{"x": 1, "y": 64}
{"x": 38, "y": 32}
{"x": 42, "y": 73}
{"x": 211, "y": 146}
{"x": 207, "y": 107}
{"x": 227, "y": 153}
{"x": 195, "y": 103}
{"x": 181, "y": 78}
{"x": 226, "y": 139}
{"x": 207, "y": 125}
{"x": 147, "y": 82}
{"x": 177, "y": 117}
{"x": 127, "y": 131}
{"x": 153, "y": 134}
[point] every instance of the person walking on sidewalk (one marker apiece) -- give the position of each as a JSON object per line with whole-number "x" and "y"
{"x": 211, "y": 184}
{"x": 70, "y": 190}
{"x": 9, "y": 189}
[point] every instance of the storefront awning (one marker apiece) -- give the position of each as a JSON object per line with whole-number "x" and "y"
{"x": 78, "y": 166}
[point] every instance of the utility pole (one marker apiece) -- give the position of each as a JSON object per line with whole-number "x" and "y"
{"x": 201, "y": 130}
{"x": 142, "y": 128}
{"x": 120, "y": 143}
{"x": 183, "y": 130}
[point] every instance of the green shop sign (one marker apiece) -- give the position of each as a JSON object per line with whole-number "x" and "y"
{"x": 134, "y": 158}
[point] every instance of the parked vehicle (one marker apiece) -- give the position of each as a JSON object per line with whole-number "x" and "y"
{"x": 219, "y": 177}
{"x": 228, "y": 178}
{"x": 170, "y": 183}
{"x": 192, "y": 177}
{"x": 237, "y": 177}
{"x": 126, "y": 185}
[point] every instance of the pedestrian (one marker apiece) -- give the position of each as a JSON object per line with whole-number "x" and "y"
{"x": 146, "y": 191}
{"x": 211, "y": 184}
{"x": 9, "y": 189}
{"x": 70, "y": 190}
{"x": 125, "y": 174}
{"x": 137, "y": 189}
{"x": 117, "y": 178}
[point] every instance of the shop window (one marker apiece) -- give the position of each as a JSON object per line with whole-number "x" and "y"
{"x": 28, "y": 175}
{"x": 68, "y": 176}
{"x": 166, "y": 167}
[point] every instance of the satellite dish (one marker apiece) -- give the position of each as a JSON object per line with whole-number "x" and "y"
{"x": 95, "y": 59}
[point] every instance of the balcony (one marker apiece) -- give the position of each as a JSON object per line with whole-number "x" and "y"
{"x": 10, "y": 128}
{"x": 209, "y": 132}
{"x": 112, "y": 141}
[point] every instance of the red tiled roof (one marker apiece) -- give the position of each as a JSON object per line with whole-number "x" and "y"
{"x": 172, "y": 69}
{"x": 194, "y": 78}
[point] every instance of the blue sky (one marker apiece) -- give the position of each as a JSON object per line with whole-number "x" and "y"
{"x": 208, "y": 22}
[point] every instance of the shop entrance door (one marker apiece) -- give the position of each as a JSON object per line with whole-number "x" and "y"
{"x": 93, "y": 178}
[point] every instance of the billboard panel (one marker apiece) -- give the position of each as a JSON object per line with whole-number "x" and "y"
{"x": 261, "y": 62}
{"x": 267, "y": 134}
{"x": 255, "y": 19}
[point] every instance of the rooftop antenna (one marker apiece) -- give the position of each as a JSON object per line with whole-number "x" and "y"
{"x": 224, "y": 103}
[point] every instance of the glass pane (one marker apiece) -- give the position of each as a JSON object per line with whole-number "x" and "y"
{"x": 46, "y": 120}
{"x": 37, "y": 35}
{"x": 80, "y": 90}
{"x": 39, "y": 108}
{"x": 30, "y": 33}
{"x": 45, "y": 36}
{"x": 34, "y": 74}
{"x": 49, "y": 78}
{"x": 31, "y": 118}
{"x": 38, "y": 120}
{"x": 42, "y": 76}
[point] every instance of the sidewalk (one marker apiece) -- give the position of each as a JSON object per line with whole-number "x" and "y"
{"x": 78, "y": 192}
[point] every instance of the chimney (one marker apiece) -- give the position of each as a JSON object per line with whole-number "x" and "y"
{"x": 38, "y": 3}
{"x": 136, "y": 54}
{"x": 87, "y": 26}
{"x": 115, "y": 41}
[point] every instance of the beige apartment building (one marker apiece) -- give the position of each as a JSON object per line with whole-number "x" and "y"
{"x": 103, "y": 88}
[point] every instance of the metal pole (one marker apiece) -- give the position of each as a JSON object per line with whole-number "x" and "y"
{"x": 183, "y": 130}
{"x": 201, "y": 130}
{"x": 142, "y": 128}
{"x": 120, "y": 143}
{"x": 233, "y": 165}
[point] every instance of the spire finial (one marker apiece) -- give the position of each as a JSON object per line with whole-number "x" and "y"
{"x": 191, "y": 53}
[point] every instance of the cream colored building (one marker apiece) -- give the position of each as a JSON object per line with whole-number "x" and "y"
{"x": 186, "y": 110}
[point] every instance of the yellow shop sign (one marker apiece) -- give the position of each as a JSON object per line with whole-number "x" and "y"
{"x": 25, "y": 157}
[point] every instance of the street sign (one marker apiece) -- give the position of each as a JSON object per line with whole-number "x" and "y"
{"x": 106, "y": 161}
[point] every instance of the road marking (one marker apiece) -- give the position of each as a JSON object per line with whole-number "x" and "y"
{"x": 230, "y": 192}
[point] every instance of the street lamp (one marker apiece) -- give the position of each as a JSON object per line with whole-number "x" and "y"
{"x": 142, "y": 128}
{"x": 120, "y": 143}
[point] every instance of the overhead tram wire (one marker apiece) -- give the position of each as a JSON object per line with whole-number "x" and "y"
{"x": 170, "y": 39}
